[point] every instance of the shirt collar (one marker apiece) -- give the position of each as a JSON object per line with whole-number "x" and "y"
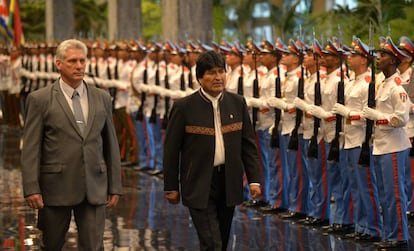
{"x": 211, "y": 98}
{"x": 69, "y": 90}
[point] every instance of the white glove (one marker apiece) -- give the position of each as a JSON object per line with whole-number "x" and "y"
{"x": 276, "y": 102}
{"x": 372, "y": 114}
{"x": 164, "y": 92}
{"x": 319, "y": 112}
{"x": 144, "y": 88}
{"x": 157, "y": 89}
{"x": 271, "y": 128}
{"x": 341, "y": 109}
{"x": 175, "y": 94}
{"x": 301, "y": 104}
{"x": 189, "y": 91}
{"x": 256, "y": 102}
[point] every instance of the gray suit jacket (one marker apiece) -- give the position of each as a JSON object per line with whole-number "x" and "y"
{"x": 57, "y": 161}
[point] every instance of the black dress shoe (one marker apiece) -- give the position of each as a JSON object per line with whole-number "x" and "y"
{"x": 327, "y": 228}
{"x": 306, "y": 220}
{"x": 339, "y": 229}
{"x": 141, "y": 168}
{"x": 271, "y": 210}
{"x": 255, "y": 203}
{"x": 367, "y": 238}
{"x": 154, "y": 172}
{"x": 343, "y": 229}
{"x": 292, "y": 216}
{"x": 353, "y": 235}
{"x": 391, "y": 245}
{"x": 318, "y": 222}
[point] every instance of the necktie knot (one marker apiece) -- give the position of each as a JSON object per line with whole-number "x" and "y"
{"x": 75, "y": 94}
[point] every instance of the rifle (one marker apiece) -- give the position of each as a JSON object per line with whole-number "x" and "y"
{"x": 255, "y": 110}
{"x": 240, "y": 80}
{"x": 190, "y": 79}
{"x": 112, "y": 90}
{"x": 293, "y": 142}
{"x": 274, "y": 139}
{"x": 140, "y": 113}
{"x": 313, "y": 145}
{"x": 166, "y": 98}
{"x": 334, "y": 151}
{"x": 153, "y": 117}
{"x": 364, "y": 156}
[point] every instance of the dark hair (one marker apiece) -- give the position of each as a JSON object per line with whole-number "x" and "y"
{"x": 208, "y": 60}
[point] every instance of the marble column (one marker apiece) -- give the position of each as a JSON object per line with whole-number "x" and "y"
{"x": 187, "y": 19}
{"x": 124, "y": 19}
{"x": 59, "y": 20}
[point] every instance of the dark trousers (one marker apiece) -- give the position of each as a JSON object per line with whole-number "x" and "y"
{"x": 213, "y": 223}
{"x": 90, "y": 221}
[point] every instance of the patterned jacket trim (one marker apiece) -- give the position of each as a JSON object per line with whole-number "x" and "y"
{"x": 210, "y": 131}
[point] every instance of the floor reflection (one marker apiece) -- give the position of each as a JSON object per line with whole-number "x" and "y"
{"x": 144, "y": 220}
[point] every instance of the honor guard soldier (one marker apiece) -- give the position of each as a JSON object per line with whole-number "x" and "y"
{"x": 318, "y": 201}
{"x": 123, "y": 123}
{"x": 362, "y": 180}
{"x": 293, "y": 86}
{"x": 407, "y": 77}
{"x": 390, "y": 147}
{"x": 337, "y": 175}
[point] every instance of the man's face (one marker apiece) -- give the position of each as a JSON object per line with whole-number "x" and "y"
{"x": 384, "y": 60}
{"x": 192, "y": 58}
{"x": 309, "y": 60}
{"x": 72, "y": 67}
{"x": 330, "y": 61}
{"x": 290, "y": 60}
{"x": 213, "y": 81}
{"x": 268, "y": 60}
{"x": 355, "y": 61}
{"x": 233, "y": 60}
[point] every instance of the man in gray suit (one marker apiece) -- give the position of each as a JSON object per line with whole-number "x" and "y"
{"x": 70, "y": 156}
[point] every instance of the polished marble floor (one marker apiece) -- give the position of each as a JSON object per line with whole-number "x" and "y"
{"x": 145, "y": 221}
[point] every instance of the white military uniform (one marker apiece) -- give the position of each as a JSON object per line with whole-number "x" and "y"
{"x": 392, "y": 101}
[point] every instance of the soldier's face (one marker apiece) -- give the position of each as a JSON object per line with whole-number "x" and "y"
{"x": 355, "y": 61}
{"x": 232, "y": 60}
{"x": 213, "y": 81}
{"x": 309, "y": 60}
{"x": 384, "y": 60}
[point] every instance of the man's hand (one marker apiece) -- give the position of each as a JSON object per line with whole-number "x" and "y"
{"x": 35, "y": 201}
{"x": 112, "y": 200}
{"x": 255, "y": 191}
{"x": 172, "y": 197}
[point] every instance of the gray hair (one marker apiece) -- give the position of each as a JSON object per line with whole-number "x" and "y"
{"x": 69, "y": 44}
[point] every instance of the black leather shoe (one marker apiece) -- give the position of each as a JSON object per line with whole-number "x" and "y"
{"x": 154, "y": 172}
{"x": 367, "y": 238}
{"x": 339, "y": 229}
{"x": 353, "y": 235}
{"x": 343, "y": 229}
{"x": 141, "y": 168}
{"x": 292, "y": 216}
{"x": 271, "y": 210}
{"x": 318, "y": 223}
{"x": 255, "y": 203}
{"x": 391, "y": 245}
{"x": 306, "y": 220}
{"x": 327, "y": 228}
